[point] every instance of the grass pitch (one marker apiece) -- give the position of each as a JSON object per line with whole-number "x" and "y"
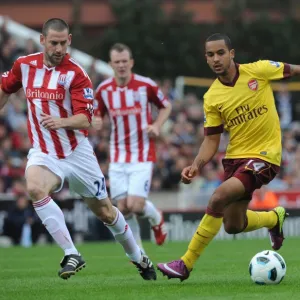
{"x": 221, "y": 273}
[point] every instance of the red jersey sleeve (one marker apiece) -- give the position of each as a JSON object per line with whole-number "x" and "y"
{"x": 156, "y": 96}
{"x": 100, "y": 107}
{"x": 82, "y": 95}
{"x": 12, "y": 80}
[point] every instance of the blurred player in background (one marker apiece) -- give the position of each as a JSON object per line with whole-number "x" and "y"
{"x": 127, "y": 99}
{"x": 60, "y": 108}
{"x": 241, "y": 101}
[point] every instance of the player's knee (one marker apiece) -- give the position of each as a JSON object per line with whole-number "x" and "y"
{"x": 233, "y": 228}
{"x": 133, "y": 207}
{"x": 218, "y": 201}
{"x": 107, "y": 218}
{"x": 136, "y": 205}
{"x": 107, "y": 215}
{"x": 124, "y": 210}
{"x": 35, "y": 191}
{"x": 130, "y": 207}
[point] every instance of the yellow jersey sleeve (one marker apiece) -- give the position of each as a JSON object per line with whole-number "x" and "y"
{"x": 271, "y": 70}
{"x": 213, "y": 123}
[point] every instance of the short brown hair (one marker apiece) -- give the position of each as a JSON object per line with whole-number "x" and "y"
{"x": 55, "y": 24}
{"x": 119, "y": 47}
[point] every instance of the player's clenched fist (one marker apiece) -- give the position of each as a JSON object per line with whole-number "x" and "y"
{"x": 189, "y": 173}
{"x": 153, "y": 130}
{"x": 97, "y": 122}
{"x": 51, "y": 122}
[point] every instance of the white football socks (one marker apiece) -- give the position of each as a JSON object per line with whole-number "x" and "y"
{"x": 133, "y": 223}
{"x": 123, "y": 234}
{"x": 54, "y": 221}
{"x": 151, "y": 212}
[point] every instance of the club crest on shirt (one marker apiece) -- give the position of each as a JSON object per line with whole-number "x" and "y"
{"x": 62, "y": 79}
{"x": 253, "y": 84}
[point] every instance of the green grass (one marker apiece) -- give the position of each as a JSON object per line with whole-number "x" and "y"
{"x": 221, "y": 273}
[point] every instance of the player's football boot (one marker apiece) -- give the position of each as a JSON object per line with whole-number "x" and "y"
{"x": 146, "y": 268}
{"x": 174, "y": 269}
{"x": 70, "y": 265}
{"x": 160, "y": 232}
{"x": 276, "y": 233}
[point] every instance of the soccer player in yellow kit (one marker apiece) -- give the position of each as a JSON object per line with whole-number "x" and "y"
{"x": 240, "y": 101}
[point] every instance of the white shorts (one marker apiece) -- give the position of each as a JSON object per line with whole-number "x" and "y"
{"x": 80, "y": 169}
{"x": 130, "y": 179}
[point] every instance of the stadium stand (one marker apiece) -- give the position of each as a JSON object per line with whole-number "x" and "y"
{"x": 176, "y": 147}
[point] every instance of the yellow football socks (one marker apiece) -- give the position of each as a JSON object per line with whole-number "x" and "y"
{"x": 207, "y": 229}
{"x": 260, "y": 219}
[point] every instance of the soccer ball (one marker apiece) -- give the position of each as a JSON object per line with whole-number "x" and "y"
{"x": 267, "y": 267}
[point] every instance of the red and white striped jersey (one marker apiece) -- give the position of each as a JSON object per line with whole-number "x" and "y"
{"x": 129, "y": 109}
{"x": 61, "y": 91}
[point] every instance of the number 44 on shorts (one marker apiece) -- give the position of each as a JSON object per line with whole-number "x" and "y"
{"x": 254, "y": 165}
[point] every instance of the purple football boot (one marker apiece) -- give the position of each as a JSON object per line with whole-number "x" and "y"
{"x": 174, "y": 269}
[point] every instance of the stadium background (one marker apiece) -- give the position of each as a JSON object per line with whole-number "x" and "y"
{"x": 167, "y": 42}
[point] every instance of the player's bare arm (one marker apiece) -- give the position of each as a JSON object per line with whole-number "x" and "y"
{"x": 207, "y": 150}
{"x": 162, "y": 117}
{"x": 79, "y": 121}
{"x": 295, "y": 70}
{"x": 3, "y": 98}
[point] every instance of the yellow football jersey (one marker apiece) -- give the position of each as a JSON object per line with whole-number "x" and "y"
{"x": 246, "y": 109}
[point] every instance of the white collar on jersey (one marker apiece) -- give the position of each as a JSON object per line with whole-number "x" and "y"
{"x": 48, "y": 68}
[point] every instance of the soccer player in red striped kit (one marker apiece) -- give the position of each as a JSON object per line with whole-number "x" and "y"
{"x": 60, "y": 109}
{"x": 127, "y": 99}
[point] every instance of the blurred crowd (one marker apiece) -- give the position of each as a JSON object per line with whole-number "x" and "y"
{"x": 176, "y": 147}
